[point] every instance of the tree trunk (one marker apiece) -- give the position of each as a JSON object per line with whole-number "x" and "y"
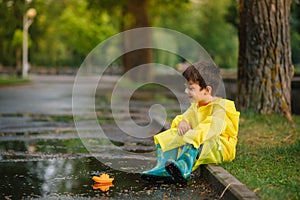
{"x": 265, "y": 68}
{"x": 136, "y": 16}
{"x": 19, "y": 62}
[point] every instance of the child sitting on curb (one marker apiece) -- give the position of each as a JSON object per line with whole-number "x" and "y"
{"x": 205, "y": 133}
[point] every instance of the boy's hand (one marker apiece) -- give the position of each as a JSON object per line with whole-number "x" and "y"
{"x": 183, "y": 127}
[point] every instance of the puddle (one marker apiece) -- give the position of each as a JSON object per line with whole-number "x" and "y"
{"x": 45, "y": 146}
{"x": 71, "y": 145}
{"x": 42, "y": 156}
{"x": 65, "y": 178}
{"x": 62, "y": 168}
{"x": 58, "y": 177}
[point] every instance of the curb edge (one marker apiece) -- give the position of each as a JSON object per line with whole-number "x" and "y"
{"x": 226, "y": 184}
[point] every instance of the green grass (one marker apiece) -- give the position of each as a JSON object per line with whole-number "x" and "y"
{"x": 12, "y": 80}
{"x": 267, "y": 159}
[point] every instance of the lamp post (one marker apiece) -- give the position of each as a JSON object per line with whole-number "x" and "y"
{"x": 27, "y": 21}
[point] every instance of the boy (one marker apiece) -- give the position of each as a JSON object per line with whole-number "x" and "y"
{"x": 205, "y": 133}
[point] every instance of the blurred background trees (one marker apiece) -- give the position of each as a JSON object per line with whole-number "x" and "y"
{"x": 65, "y": 31}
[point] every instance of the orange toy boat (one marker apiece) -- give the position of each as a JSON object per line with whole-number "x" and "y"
{"x": 103, "y": 179}
{"x": 103, "y": 182}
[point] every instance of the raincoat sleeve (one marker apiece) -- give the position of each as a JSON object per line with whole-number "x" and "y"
{"x": 211, "y": 127}
{"x": 184, "y": 117}
{"x": 170, "y": 139}
{"x": 176, "y": 121}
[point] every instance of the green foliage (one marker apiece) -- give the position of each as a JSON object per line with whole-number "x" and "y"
{"x": 204, "y": 21}
{"x": 61, "y": 146}
{"x": 48, "y": 48}
{"x": 65, "y": 31}
{"x": 11, "y": 20}
{"x": 295, "y": 45}
{"x": 72, "y": 33}
{"x": 295, "y": 32}
{"x": 17, "y": 38}
{"x": 218, "y": 36}
{"x": 268, "y": 155}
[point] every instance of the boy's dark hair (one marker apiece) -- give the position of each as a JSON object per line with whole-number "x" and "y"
{"x": 205, "y": 73}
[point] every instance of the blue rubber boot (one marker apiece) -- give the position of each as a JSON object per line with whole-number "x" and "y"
{"x": 159, "y": 173}
{"x": 181, "y": 169}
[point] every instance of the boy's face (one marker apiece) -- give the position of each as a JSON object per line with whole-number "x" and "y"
{"x": 196, "y": 94}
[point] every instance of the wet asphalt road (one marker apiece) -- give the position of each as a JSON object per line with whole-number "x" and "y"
{"x": 42, "y": 155}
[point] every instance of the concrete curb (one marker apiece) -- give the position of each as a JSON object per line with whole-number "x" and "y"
{"x": 226, "y": 184}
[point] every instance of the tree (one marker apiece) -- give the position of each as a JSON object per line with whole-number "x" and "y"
{"x": 67, "y": 32}
{"x": 136, "y": 16}
{"x": 265, "y": 68}
{"x": 11, "y": 18}
{"x": 214, "y": 28}
{"x": 206, "y": 21}
{"x": 129, "y": 14}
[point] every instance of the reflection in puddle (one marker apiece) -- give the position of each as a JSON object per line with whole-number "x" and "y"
{"x": 72, "y": 178}
{"x": 59, "y": 177}
{"x": 102, "y": 186}
{"x": 44, "y": 145}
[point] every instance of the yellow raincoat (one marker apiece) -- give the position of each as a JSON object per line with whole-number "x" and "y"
{"x": 215, "y": 126}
